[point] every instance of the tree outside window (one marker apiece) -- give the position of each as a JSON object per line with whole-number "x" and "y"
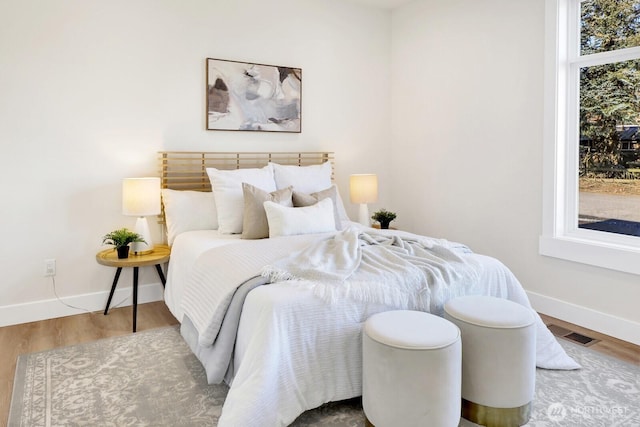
{"x": 609, "y": 116}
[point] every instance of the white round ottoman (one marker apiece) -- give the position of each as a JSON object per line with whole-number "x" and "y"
{"x": 498, "y": 359}
{"x": 411, "y": 370}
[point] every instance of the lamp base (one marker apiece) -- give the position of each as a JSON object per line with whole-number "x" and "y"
{"x": 142, "y": 228}
{"x": 363, "y": 215}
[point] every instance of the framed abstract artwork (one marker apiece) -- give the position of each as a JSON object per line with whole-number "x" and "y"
{"x": 253, "y": 97}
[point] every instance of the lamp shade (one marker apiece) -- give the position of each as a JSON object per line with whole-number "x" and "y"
{"x": 363, "y": 188}
{"x": 141, "y": 196}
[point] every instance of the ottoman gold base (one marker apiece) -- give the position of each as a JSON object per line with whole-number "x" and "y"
{"x": 496, "y": 417}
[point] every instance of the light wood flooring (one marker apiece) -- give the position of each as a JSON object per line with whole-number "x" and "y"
{"x": 48, "y": 334}
{"x": 605, "y": 344}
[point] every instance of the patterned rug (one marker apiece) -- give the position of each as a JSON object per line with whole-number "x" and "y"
{"x": 152, "y": 379}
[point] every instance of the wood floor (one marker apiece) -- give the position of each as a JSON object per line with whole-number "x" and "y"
{"x": 605, "y": 344}
{"x": 48, "y": 334}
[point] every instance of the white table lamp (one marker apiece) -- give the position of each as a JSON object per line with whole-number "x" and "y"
{"x": 141, "y": 197}
{"x": 363, "y": 189}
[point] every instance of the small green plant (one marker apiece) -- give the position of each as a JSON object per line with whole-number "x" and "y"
{"x": 384, "y": 217}
{"x": 121, "y": 237}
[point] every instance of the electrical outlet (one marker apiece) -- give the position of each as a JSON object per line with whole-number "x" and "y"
{"x": 49, "y": 267}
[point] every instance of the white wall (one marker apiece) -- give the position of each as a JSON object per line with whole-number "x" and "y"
{"x": 91, "y": 90}
{"x": 467, "y": 103}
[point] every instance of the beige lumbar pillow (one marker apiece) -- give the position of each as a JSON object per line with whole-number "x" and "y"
{"x": 254, "y": 221}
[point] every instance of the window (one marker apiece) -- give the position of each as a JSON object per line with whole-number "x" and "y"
{"x": 592, "y": 118}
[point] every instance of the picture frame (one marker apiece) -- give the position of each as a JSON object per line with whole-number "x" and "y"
{"x": 244, "y": 96}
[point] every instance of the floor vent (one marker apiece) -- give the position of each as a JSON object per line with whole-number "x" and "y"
{"x": 567, "y": 334}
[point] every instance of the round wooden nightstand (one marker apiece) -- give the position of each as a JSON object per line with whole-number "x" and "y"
{"x": 377, "y": 225}
{"x": 109, "y": 257}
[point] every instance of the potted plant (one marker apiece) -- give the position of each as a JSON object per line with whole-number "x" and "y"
{"x": 121, "y": 239}
{"x": 384, "y": 217}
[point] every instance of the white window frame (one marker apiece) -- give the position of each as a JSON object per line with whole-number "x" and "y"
{"x": 561, "y": 237}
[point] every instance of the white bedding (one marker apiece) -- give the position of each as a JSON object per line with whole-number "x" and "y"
{"x": 185, "y": 250}
{"x": 295, "y": 352}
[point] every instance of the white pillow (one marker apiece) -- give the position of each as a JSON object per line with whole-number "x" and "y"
{"x": 285, "y": 221}
{"x": 187, "y": 211}
{"x": 227, "y": 189}
{"x": 342, "y": 212}
{"x": 300, "y": 199}
{"x": 307, "y": 179}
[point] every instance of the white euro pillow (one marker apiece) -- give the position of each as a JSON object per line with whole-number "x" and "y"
{"x": 285, "y": 221}
{"x": 307, "y": 179}
{"x": 186, "y": 210}
{"x": 227, "y": 190}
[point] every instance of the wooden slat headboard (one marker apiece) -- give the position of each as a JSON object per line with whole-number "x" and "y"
{"x": 187, "y": 170}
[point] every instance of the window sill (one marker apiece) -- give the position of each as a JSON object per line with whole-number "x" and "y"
{"x": 586, "y": 251}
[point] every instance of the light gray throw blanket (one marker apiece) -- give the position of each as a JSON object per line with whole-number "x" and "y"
{"x": 400, "y": 269}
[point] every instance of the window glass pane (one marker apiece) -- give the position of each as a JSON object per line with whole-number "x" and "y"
{"x": 610, "y": 148}
{"x": 607, "y": 25}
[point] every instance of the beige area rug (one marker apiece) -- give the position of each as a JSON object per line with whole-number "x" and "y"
{"x": 152, "y": 379}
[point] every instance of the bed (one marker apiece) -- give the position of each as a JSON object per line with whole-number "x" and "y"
{"x": 286, "y": 343}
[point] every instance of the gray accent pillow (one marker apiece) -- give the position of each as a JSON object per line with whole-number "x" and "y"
{"x": 301, "y": 200}
{"x": 254, "y": 221}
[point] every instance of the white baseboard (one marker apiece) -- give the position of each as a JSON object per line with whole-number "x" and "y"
{"x": 52, "y": 308}
{"x": 617, "y": 327}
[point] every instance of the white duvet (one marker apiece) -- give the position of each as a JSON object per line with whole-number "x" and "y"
{"x": 295, "y": 352}
{"x": 185, "y": 251}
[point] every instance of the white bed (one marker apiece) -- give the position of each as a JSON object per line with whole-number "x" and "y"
{"x": 293, "y": 351}
{"x": 184, "y": 252}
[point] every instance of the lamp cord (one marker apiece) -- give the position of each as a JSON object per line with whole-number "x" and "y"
{"x": 55, "y": 292}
